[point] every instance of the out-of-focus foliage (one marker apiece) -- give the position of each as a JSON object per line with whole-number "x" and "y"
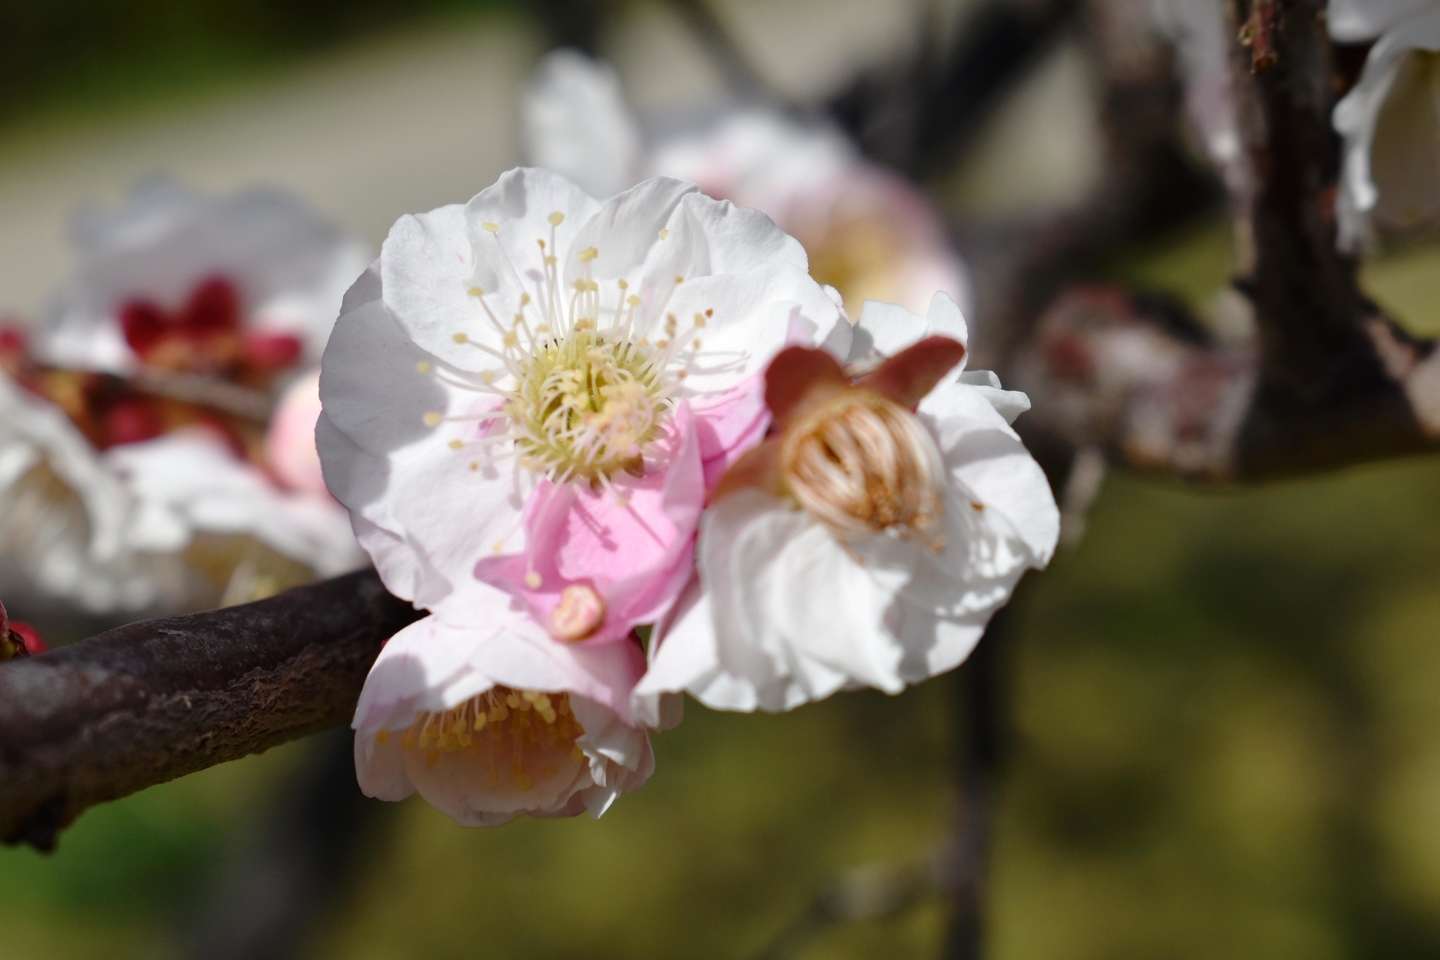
{"x": 92, "y": 52}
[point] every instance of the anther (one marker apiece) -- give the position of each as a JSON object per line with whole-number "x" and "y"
{"x": 460, "y": 337}
{"x": 423, "y": 367}
{"x": 489, "y": 227}
{"x": 476, "y": 292}
{"x": 556, "y": 218}
{"x": 432, "y": 419}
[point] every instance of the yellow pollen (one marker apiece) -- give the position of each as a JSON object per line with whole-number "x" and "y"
{"x": 632, "y": 301}
{"x": 532, "y": 580}
{"x": 679, "y": 279}
{"x": 456, "y": 444}
{"x": 524, "y": 299}
{"x": 556, "y": 218}
{"x": 517, "y": 737}
{"x": 474, "y": 466}
{"x": 476, "y": 292}
{"x": 699, "y": 321}
{"x": 489, "y": 227}
{"x": 510, "y": 340}
{"x": 588, "y": 254}
{"x": 383, "y": 737}
{"x": 664, "y": 232}
{"x": 587, "y": 403}
{"x": 460, "y": 337}
{"x": 550, "y": 261}
{"x": 432, "y": 419}
{"x": 423, "y": 367}
{"x": 622, "y": 284}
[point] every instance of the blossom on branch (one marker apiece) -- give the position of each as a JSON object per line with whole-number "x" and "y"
{"x": 527, "y": 397}
{"x": 489, "y": 723}
{"x": 190, "y": 315}
{"x": 868, "y": 541}
{"x": 1390, "y": 119}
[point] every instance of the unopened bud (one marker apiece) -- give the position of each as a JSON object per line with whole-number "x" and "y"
{"x": 580, "y": 613}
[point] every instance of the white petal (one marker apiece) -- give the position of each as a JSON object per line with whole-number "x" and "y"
{"x": 1357, "y": 116}
{"x": 190, "y": 481}
{"x": 626, "y": 230}
{"x": 888, "y": 328}
{"x": 987, "y": 461}
{"x": 1351, "y": 21}
{"x": 576, "y": 123}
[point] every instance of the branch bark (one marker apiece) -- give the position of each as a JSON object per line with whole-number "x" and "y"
{"x": 155, "y": 700}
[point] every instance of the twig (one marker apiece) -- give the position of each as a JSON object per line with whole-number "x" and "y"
{"x": 152, "y": 701}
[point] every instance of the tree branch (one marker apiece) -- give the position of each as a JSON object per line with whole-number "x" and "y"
{"x": 152, "y": 701}
{"x": 1323, "y": 380}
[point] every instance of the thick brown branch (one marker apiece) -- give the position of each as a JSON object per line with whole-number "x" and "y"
{"x": 155, "y": 700}
{"x": 1325, "y": 397}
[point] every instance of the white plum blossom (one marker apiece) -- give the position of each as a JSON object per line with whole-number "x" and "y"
{"x": 491, "y": 722}
{"x": 1390, "y": 119}
{"x": 527, "y": 398}
{"x": 862, "y": 545}
{"x": 869, "y": 233}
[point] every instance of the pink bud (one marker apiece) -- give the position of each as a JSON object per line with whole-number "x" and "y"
{"x": 290, "y": 441}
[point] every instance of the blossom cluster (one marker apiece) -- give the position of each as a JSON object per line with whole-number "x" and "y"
{"x": 627, "y": 449}
{"x": 156, "y": 423}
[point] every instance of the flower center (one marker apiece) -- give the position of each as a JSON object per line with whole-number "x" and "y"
{"x": 863, "y": 463}
{"x": 587, "y": 379}
{"x": 586, "y": 404}
{"x": 525, "y": 733}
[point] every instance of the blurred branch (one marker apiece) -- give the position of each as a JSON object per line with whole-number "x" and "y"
{"x": 1313, "y": 376}
{"x": 915, "y": 116}
{"x": 152, "y": 701}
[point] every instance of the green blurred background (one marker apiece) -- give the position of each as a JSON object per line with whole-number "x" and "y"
{"x": 1225, "y": 706}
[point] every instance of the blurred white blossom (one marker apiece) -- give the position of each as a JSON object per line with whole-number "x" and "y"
{"x": 1390, "y": 119}
{"x": 868, "y": 232}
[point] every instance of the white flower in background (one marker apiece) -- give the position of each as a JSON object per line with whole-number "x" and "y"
{"x": 287, "y": 266}
{"x": 1390, "y": 119}
{"x": 1201, "y": 35}
{"x": 525, "y": 400}
{"x": 869, "y": 233}
{"x": 862, "y": 544}
{"x": 489, "y": 722}
{"x": 189, "y": 318}
{"x": 62, "y": 515}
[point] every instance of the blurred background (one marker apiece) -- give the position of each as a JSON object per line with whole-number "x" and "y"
{"x": 1221, "y": 732}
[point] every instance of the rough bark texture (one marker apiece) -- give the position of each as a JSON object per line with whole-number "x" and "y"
{"x": 155, "y": 700}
